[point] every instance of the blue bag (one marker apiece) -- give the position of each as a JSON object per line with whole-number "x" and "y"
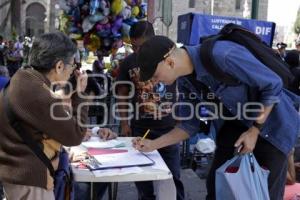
{"x": 63, "y": 179}
{"x": 241, "y": 178}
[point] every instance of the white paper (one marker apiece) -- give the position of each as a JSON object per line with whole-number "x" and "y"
{"x": 98, "y": 143}
{"x": 117, "y": 171}
{"x": 159, "y": 163}
{"x": 129, "y": 158}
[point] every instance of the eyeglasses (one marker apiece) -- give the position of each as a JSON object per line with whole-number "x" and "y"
{"x": 169, "y": 52}
{"x": 73, "y": 66}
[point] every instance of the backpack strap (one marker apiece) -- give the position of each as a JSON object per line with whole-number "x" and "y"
{"x": 27, "y": 138}
{"x": 206, "y": 56}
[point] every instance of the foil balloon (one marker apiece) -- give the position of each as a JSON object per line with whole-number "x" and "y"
{"x": 73, "y": 3}
{"x": 74, "y": 29}
{"x": 103, "y": 30}
{"x": 96, "y": 17}
{"x": 135, "y": 11}
{"x": 63, "y": 5}
{"x": 117, "y": 25}
{"x": 130, "y": 21}
{"x": 75, "y": 13}
{"x": 125, "y": 32}
{"x": 85, "y": 9}
{"x": 92, "y": 42}
{"x": 131, "y": 2}
{"x": 143, "y": 11}
{"x": 94, "y": 5}
{"x": 75, "y": 36}
{"x": 64, "y": 23}
{"x": 105, "y": 7}
{"x": 87, "y": 25}
{"x": 116, "y": 7}
{"x": 126, "y": 12}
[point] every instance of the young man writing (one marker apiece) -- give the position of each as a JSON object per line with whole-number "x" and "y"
{"x": 270, "y": 135}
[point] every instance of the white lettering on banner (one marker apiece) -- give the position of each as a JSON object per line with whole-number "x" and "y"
{"x": 263, "y": 30}
{"x": 220, "y": 23}
{"x": 218, "y": 27}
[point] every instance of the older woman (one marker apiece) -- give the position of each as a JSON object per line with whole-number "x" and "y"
{"x": 40, "y": 112}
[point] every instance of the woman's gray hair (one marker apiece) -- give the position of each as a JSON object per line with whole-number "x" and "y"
{"x": 50, "y": 48}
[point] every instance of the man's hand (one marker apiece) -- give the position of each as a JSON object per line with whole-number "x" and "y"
{"x": 82, "y": 79}
{"x": 107, "y": 134}
{"x": 88, "y": 135}
{"x": 143, "y": 145}
{"x": 248, "y": 139}
{"x": 125, "y": 130}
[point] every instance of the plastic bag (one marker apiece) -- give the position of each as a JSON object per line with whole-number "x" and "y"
{"x": 241, "y": 178}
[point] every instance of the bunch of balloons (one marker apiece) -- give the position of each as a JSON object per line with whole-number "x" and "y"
{"x": 102, "y": 24}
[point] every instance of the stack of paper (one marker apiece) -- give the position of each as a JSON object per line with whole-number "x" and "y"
{"x": 118, "y": 160}
{"x": 103, "y": 144}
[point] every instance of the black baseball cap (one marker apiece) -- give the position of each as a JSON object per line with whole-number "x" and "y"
{"x": 152, "y": 52}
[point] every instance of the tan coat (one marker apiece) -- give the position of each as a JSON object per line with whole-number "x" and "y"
{"x": 31, "y": 100}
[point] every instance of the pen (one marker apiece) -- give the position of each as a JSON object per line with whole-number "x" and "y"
{"x": 145, "y": 135}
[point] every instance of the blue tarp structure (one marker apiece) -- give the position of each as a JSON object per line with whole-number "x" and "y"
{"x": 193, "y": 26}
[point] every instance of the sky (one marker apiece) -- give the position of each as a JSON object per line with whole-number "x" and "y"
{"x": 283, "y": 12}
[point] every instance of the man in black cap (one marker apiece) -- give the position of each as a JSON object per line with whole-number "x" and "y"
{"x": 151, "y": 103}
{"x": 270, "y": 134}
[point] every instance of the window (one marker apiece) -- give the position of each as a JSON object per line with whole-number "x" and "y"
{"x": 238, "y": 4}
{"x": 191, "y": 3}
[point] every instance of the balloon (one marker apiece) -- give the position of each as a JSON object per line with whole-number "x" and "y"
{"x": 77, "y": 36}
{"x": 105, "y": 7}
{"x": 130, "y": 21}
{"x": 143, "y": 11}
{"x": 116, "y": 7}
{"x": 126, "y": 12}
{"x": 94, "y": 5}
{"x": 132, "y": 2}
{"x": 125, "y": 30}
{"x": 117, "y": 26}
{"x": 135, "y": 11}
{"x": 92, "y": 42}
{"x": 63, "y": 5}
{"x": 64, "y": 23}
{"x": 103, "y": 30}
{"x": 76, "y": 14}
{"x": 87, "y": 25}
{"x": 96, "y": 17}
{"x": 74, "y": 29}
{"x": 73, "y": 3}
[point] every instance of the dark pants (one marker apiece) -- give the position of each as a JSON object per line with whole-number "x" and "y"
{"x": 171, "y": 156}
{"x": 83, "y": 190}
{"x": 265, "y": 153}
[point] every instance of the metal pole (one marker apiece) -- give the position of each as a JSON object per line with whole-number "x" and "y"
{"x": 254, "y": 10}
{"x": 212, "y": 4}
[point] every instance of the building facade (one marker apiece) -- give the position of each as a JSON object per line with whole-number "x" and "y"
{"x": 26, "y": 17}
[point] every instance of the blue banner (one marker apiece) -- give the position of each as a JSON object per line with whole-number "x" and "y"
{"x": 204, "y": 25}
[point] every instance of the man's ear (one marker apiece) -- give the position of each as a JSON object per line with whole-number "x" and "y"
{"x": 170, "y": 62}
{"x": 59, "y": 67}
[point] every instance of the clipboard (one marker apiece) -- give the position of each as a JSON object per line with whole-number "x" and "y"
{"x": 120, "y": 160}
